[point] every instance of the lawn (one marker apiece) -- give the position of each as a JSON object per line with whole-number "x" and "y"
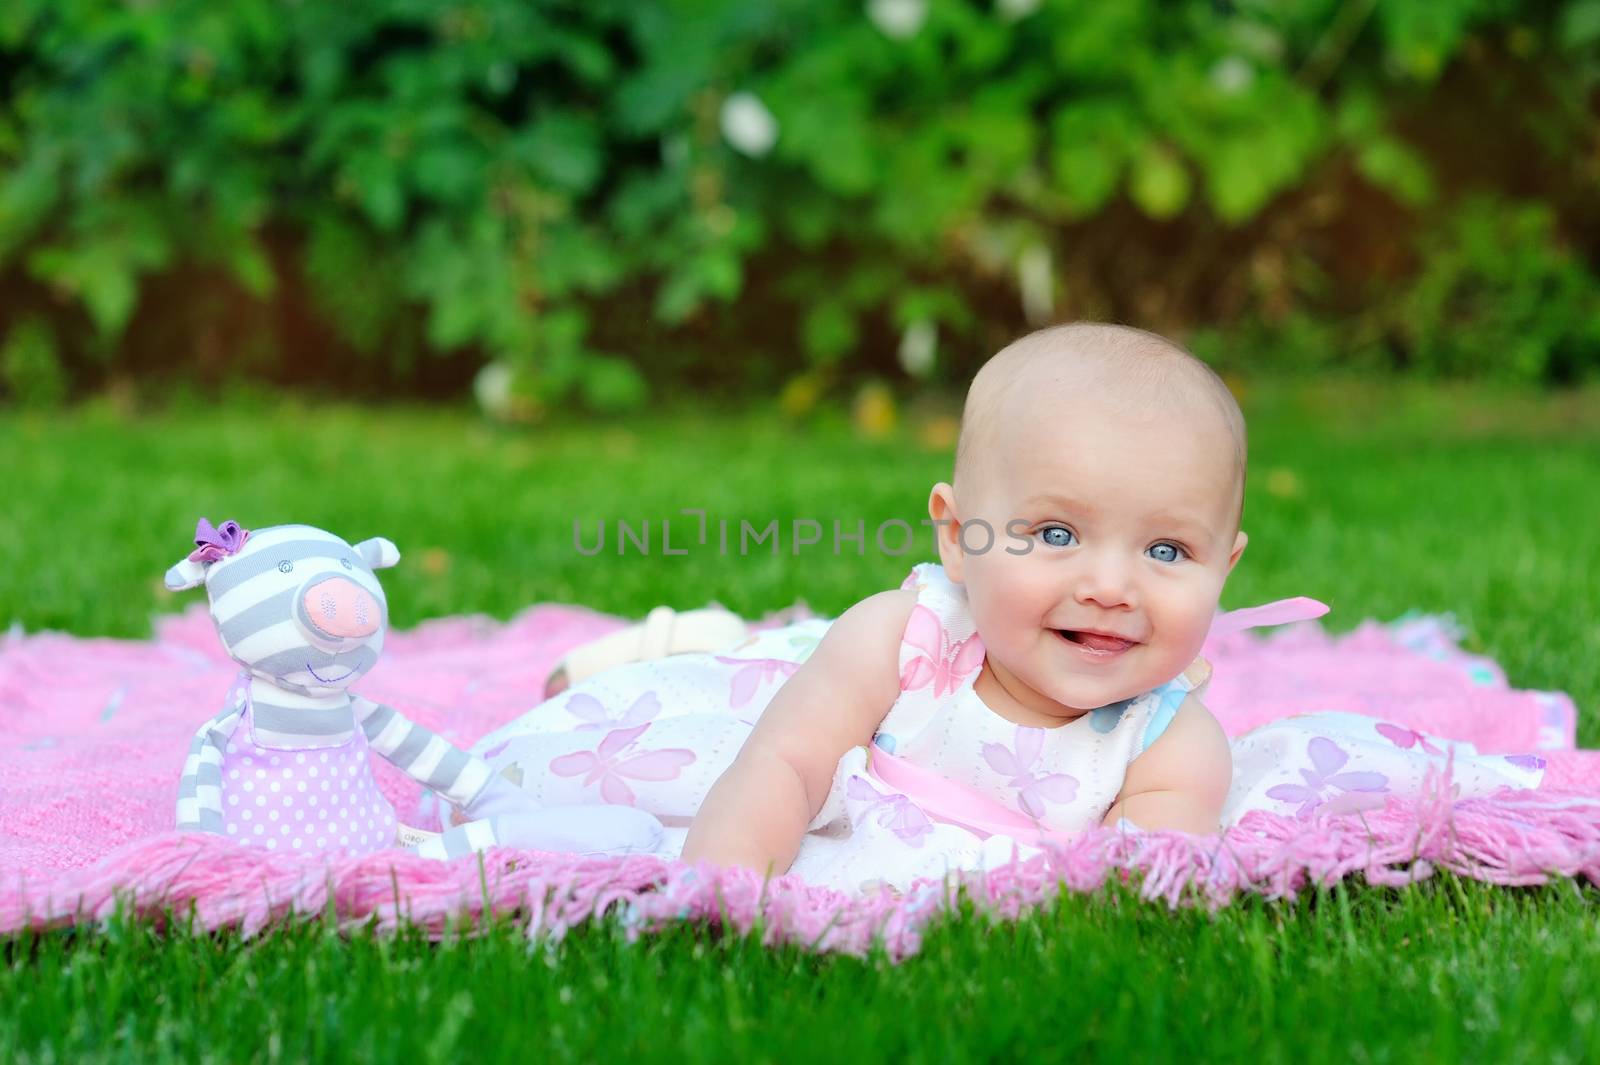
{"x": 1377, "y": 498}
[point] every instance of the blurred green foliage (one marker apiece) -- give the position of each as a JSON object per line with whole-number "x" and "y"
{"x": 620, "y": 193}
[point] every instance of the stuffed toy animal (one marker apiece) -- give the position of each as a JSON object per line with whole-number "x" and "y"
{"x": 284, "y": 765}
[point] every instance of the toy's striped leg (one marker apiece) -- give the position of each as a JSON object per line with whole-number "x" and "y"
{"x": 462, "y": 839}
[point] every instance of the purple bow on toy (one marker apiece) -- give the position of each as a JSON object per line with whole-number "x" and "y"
{"x": 213, "y": 544}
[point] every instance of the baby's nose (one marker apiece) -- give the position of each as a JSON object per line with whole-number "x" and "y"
{"x": 341, "y": 608}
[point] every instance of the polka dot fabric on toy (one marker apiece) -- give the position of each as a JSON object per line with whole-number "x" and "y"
{"x": 322, "y": 799}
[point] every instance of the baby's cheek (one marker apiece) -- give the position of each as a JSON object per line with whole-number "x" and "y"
{"x": 1190, "y": 630}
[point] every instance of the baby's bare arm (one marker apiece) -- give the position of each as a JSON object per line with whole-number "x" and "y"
{"x": 1182, "y": 781}
{"x": 757, "y": 812}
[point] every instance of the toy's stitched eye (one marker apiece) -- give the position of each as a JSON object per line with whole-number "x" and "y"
{"x": 345, "y": 562}
{"x": 285, "y": 566}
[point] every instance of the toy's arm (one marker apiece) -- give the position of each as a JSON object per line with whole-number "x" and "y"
{"x": 200, "y": 788}
{"x": 430, "y": 759}
{"x": 501, "y": 813}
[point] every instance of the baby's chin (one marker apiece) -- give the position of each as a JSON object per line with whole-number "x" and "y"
{"x": 1083, "y": 694}
{"x": 1082, "y": 701}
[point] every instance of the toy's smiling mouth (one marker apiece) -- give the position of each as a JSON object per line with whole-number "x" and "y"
{"x": 329, "y": 680}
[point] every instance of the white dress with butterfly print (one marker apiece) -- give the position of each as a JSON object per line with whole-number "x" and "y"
{"x": 657, "y": 734}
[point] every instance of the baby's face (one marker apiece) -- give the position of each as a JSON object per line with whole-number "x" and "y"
{"x": 1123, "y": 527}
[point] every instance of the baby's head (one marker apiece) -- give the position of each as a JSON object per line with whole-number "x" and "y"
{"x": 1099, "y": 485}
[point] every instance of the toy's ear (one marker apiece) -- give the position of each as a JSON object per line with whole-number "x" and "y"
{"x": 186, "y": 574}
{"x": 378, "y": 553}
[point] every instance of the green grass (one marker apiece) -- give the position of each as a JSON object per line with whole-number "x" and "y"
{"x": 1443, "y": 972}
{"x": 1376, "y": 498}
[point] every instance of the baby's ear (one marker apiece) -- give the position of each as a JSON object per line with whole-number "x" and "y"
{"x": 941, "y": 508}
{"x": 378, "y": 553}
{"x": 186, "y": 574}
{"x": 1238, "y": 549}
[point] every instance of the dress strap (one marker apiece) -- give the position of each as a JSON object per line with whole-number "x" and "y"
{"x": 1277, "y": 612}
{"x": 1172, "y": 695}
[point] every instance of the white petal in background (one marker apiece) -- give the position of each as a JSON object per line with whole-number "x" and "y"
{"x": 1012, "y": 10}
{"x": 748, "y": 125}
{"x": 1036, "y": 280}
{"x": 918, "y": 346}
{"x": 899, "y": 19}
{"x": 492, "y": 388}
{"x": 1232, "y": 74}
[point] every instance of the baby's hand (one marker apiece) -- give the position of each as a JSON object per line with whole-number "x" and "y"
{"x": 757, "y": 812}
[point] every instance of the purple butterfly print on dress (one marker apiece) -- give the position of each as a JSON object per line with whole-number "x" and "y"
{"x": 595, "y": 714}
{"x": 1405, "y": 738}
{"x": 1033, "y": 791}
{"x": 607, "y": 764}
{"x": 1327, "y": 758}
{"x": 895, "y": 812}
{"x": 756, "y": 672}
{"x": 943, "y": 663}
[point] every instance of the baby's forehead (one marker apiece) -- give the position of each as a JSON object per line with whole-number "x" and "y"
{"x": 1122, "y": 381}
{"x": 1039, "y": 413}
{"x": 1174, "y": 455}
{"x": 1041, "y": 388}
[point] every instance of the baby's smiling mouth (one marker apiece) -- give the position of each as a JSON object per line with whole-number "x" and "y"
{"x": 1094, "y": 642}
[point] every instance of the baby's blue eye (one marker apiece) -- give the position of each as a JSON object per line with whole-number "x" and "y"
{"x": 1174, "y": 548}
{"x": 1062, "y": 538}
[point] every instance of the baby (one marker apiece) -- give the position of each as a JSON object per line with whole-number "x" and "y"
{"x": 1093, "y": 520}
{"x": 1041, "y": 679}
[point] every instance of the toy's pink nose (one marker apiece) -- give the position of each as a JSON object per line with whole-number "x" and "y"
{"x": 341, "y": 607}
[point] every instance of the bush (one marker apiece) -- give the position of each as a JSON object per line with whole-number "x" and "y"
{"x": 610, "y": 194}
{"x": 29, "y": 367}
{"x": 1497, "y": 296}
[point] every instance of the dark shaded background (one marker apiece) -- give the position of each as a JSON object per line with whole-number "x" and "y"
{"x": 621, "y": 200}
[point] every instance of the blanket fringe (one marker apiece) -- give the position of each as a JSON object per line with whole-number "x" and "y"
{"x": 1511, "y": 838}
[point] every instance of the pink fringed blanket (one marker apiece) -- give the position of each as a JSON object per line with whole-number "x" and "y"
{"x": 93, "y": 735}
